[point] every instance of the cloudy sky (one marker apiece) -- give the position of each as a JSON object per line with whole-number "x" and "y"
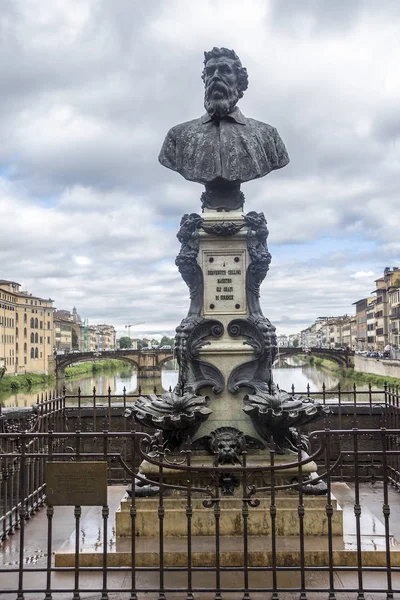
{"x": 89, "y": 89}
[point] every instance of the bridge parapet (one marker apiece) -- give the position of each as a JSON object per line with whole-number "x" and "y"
{"x": 344, "y": 358}
{"x": 147, "y": 362}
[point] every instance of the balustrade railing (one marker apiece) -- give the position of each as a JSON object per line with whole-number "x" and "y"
{"x": 275, "y": 563}
{"x": 47, "y": 415}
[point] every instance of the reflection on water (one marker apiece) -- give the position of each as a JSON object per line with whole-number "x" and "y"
{"x": 114, "y": 381}
{"x": 299, "y": 375}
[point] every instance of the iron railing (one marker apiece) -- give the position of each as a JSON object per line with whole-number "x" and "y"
{"x": 251, "y": 562}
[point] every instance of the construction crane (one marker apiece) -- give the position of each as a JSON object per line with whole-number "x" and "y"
{"x": 86, "y": 335}
{"x": 128, "y": 327}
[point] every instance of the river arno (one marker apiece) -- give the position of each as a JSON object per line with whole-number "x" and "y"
{"x": 298, "y": 375}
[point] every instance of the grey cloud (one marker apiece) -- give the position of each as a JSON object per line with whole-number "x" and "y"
{"x": 89, "y": 90}
{"x": 387, "y": 126}
{"x": 339, "y": 16}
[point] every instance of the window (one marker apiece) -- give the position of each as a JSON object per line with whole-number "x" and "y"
{"x": 40, "y": 355}
{"x": 16, "y": 332}
{"x": 48, "y": 324}
{"x": 41, "y": 340}
{"x": 48, "y": 340}
{"x": 25, "y": 318}
{"x": 25, "y": 347}
{"x": 24, "y": 331}
{"x": 36, "y": 353}
{"x": 41, "y": 324}
{"x": 16, "y": 317}
{"x": 32, "y": 353}
{"x": 32, "y": 338}
{"x": 16, "y": 347}
{"x": 24, "y": 360}
{"x": 36, "y": 338}
{"x": 36, "y": 323}
{"x": 32, "y": 322}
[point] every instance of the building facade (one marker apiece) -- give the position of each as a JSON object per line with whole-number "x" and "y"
{"x": 27, "y": 329}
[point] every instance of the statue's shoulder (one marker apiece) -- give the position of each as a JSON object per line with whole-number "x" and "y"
{"x": 260, "y": 126}
{"x": 183, "y": 129}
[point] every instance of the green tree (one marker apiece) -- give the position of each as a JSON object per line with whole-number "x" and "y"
{"x": 167, "y": 341}
{"x": 140, "y": 344}
{"x": 295, "y": 343}
{"x": 125, "y": 342}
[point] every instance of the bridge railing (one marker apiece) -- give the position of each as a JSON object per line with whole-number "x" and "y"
{"x": 367, "y": 395}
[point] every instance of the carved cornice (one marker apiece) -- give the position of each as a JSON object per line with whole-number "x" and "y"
{"x": 224, "y": 228}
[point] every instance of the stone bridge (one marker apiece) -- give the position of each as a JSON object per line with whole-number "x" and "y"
{"x": 147, "y": 362}
{"x": 150, "y": 362}
{"x": 344, "y": 358}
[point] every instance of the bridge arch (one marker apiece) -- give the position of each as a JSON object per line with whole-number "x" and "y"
{"x": 147, "y": 363}
{"x": 344, "y": 358}
{"x": 164, "y": 360}
{"x": 66, "y": 360}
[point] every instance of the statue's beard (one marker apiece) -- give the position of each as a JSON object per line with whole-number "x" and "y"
{"x": 220, "y": 99}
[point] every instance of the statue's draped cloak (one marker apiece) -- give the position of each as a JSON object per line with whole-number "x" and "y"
{"x": 233, "y": 148}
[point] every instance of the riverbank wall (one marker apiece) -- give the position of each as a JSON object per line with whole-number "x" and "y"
{"x": 377, "y": 366}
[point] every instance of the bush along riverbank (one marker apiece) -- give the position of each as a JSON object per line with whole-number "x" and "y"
{"x": 376, "y": 380}
{"x": 13, "y": 383}
{"x": 91, "y": 368}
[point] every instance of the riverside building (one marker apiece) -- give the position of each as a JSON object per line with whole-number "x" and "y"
{"x": 26, "y": 330}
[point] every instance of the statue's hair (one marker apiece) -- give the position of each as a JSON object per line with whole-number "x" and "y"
{"x": 241, "y": 72}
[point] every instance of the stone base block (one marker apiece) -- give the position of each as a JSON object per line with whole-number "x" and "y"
{"x": 231, "y": 553}
{"x": 231, "y": 519}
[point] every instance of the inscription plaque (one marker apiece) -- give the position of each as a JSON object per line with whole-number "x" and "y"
{"x": 224, "y": 282}
{"x": 76, "y": 484}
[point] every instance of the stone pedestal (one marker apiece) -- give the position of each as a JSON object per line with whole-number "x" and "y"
{"x": 224, "y": 260}
{"x": 225, "y": 399}
{"x": 231, "y": 519}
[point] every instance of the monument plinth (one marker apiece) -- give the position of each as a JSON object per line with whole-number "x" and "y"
{"x": 225, "y": 399}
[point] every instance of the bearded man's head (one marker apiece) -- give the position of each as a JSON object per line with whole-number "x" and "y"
{"x": 225, "y": 80}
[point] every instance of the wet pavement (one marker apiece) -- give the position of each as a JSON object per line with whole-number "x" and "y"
{"x": 35, "y": 554}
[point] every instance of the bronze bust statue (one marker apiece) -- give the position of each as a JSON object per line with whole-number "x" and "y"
{"x": 223, "y": 148}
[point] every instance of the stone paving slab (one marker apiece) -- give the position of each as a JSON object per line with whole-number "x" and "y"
{"x": 36, "y": 544}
